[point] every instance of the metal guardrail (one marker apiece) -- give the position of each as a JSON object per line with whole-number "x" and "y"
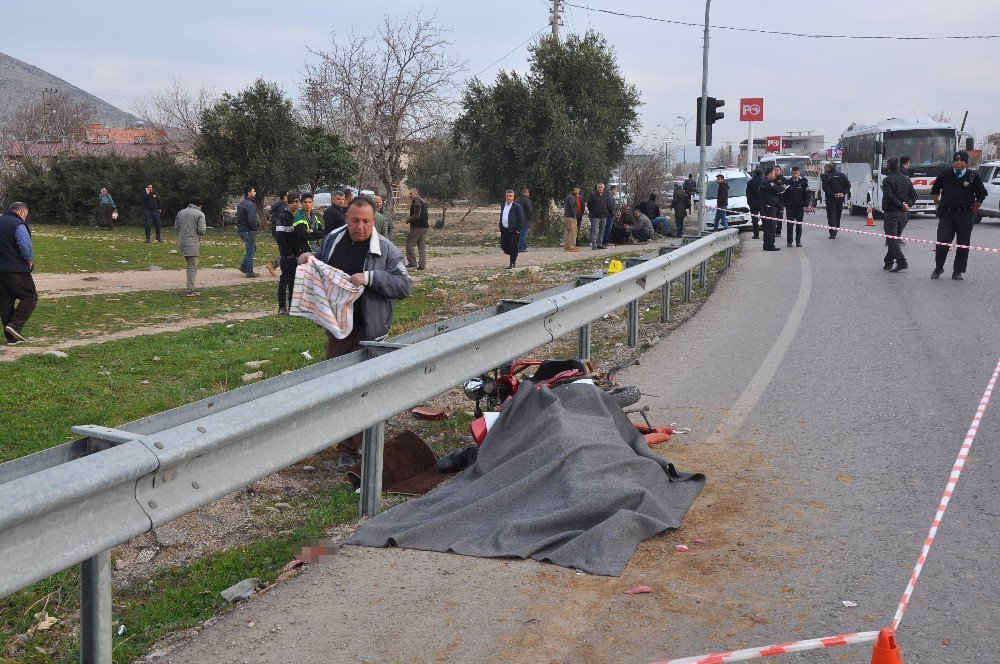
{"x": 72, "y": 503}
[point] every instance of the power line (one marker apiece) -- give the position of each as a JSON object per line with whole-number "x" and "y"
{"x": 506, "y": 55}
{"x": 777, "y": 32}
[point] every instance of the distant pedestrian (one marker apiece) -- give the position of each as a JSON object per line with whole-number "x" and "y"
{"x": 524, "y": 200}
{"x": 290, "y": 246}
{"x": 897, "y": 197}
{"x": 276, "y": 209}
{"x": 335, "y": 216}
{"x": 248, "y": 225}
{"x": 770, "y": 194}
{"x": 904, "y": 166}
{"x": 511, "y": 221}
{"x": 958, "y": 192}
{"x": 679, "y": 203}
{"x": 109, "y": 211}
{"x": 381, "y": 223}
{"x": 191, "y": 226}
{"x": 416, "y": 238}
{"x": 17, "y": 261}
{"x": 797, "y": 198}
{"x": 611, "y": 199}
{"x": 690, "y": 188}
{"x": 721, "y": 202}
{"x": 837, "y": 189}
{"x": 151, "y": 212}
{"x": 753, "y": 200}
{"x": 572, "y": 214}
{"x": 779, "y": 208}
{"x": 597, "y": 210}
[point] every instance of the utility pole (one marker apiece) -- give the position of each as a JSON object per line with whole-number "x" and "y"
{"x": 701, "y": 123}
{"x": 555, "y": 20}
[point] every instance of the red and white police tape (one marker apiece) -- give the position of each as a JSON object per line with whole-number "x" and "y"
{"x": 992, "y": 250}
{"x": 866, "y": 637}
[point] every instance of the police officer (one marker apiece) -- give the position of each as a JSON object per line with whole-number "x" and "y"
{"x": 753, "y": 200}
{"x": 837, "y": 189}
{"x": 779, "y": 210}
{"x": 797, "y": 198}
{"x": 897, "y": 197}
{"x": 770, "y": 195}
{"x": 958, "y": 192}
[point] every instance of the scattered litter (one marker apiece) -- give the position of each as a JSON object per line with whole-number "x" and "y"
{"x": 680, "y": 548}
{"x": 638, "y": 590}
{"x": 241, "y": 590}
{"x": 231, "y": 325}
{"x": 256, "y": 364}
{"x": 294, "y": 563}
{"x": 55, "y": 353}
{"x": 249, "y": 377}
{"x": 145, "y": 556}
{"x": 156, "y": 358}
{"x": 153, "y": 268}
{"x": 218, "y": 265}
{"x": 123, "y": 261}
{"x": 306, "y": 354}
{"x": 45, "y": 621}
{"x": 430, "y": 413}
{"x": 144, "y": 382}
{"x": 697, "y": 540}
{"x": 251, "y": 624}
{"x": 121, "y": 630}
{"x": 173, "y": 251}
{"x": 308, "y": 469}
{"x": 849, "y": 603}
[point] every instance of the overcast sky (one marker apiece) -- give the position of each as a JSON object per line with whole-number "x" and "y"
{"x": 118, "y": 49}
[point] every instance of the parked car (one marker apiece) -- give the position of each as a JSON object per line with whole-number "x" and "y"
{"x": 738, "y": 180}
{"x": 990, "y": 173}
{"x": 322, "y": 197}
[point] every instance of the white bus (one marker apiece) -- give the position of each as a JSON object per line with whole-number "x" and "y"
{"x": 928, "y": 143}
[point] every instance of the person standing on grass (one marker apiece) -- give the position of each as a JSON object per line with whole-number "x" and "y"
{"x": 248, "y": 225}
{"x": 151, "y": 212}
{"x": 108, "y": 208}
{"x": 524, "y": 200}
{"x": 276, "y": 208}
{"x": 191, "y": 226}
{"x": 597, "y": 210}
{"x": 372, "y": 261}
{"x": 17, "y": 260}
{"x": 417, "y": 237}
{"x": 290, "y": 246}
{"x": 572, "y": 214}
{"x": 511, "y": 221}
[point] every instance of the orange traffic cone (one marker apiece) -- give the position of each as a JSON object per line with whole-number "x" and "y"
{"x": 871, "y": 219}
{"x": 886, "y": 651}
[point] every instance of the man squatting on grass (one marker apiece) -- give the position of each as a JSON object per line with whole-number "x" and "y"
{"x": 374, "y": 262}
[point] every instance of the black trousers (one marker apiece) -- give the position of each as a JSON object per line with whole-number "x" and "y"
{"x": 152, "y": 218}
{"x": 287, "y": 281}
{"x": 508, "y": 243}
{"x": 894, "y": 223}
{"x": 834, "y": 208}
{"x": 755, "y": 220}
{"x": 957, "y": 227}
{"x": 16, "y": 287}
{"x": 795, "y": 214}
{"x": 767, "y": 212}
{"x": 106, "y": 220}
{"x": 779, "y": 212}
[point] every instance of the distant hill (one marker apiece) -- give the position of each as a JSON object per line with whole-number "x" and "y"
{"x": 26, "y": 82}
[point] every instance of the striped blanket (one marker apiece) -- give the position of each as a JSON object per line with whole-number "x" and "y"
{"x": 325, "y": 295}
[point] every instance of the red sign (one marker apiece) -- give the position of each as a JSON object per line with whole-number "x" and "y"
{"x": 752, "y": 109}
{"x": 773, "y": 144}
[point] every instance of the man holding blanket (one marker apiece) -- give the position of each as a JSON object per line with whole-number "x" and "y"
{"x": 369, "y": 261}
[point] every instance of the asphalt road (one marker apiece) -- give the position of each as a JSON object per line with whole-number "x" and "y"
{"x": 828, "y": 400}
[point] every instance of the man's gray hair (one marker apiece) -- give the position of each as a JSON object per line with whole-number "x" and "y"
{"x": 510, "y": 191}
{"x": 16, "y": 207}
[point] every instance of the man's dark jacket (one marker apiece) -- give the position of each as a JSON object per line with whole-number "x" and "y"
{"x": 896, "y": 190}
{"x": 247, "y": 220}
{"x": 333, "y": 218}
{"x": 597, "y": 205}
{"x": 525, "y": 203}
{"x": 515, "y": 218}
{"x": 649, "y": 208}
{"x": 11, "y": 259}
{"x": 418, "y": 214}
{"x": 722, "y": 197}
{"x": 571, "y": 209}
{"x": 753, "y": 191}
{"x": 150, "y": 201}
{"x": 835, "y": 183}
{"x": 797, "y": 195}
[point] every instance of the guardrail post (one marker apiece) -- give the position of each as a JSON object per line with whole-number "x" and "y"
{"x": 373, "y": 445}
{"x": 665, "y": 301}
{"x": 702, "y": 274}
{"x": 729, "y": 257}
{"x": 633, "y": 323}
{"x": 687, "y": 286}
{"x": 583, "y": 343}
{"x": 95, "y": 609}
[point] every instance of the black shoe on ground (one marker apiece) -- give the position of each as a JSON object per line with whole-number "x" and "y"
{"x": 756, "y": 237}
{"x": 772, "y": 248}
{"x": 798, "y": 244}
{"x": 282, "y": 311}
{"x": 900, "y": 267}
{"x": 411, "y": 265}
{"x": 957, "y": 276}
{"x": 887, "y": 266}
{"x": 788, "y": 244}
{"x": 345, "y": 462}
{"x": 936, "y": 274}
{"x": 14, "y": 334}
{"x": 147, "y": 241}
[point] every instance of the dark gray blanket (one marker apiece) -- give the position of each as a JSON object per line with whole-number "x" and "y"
{"x": 562, "y": 476}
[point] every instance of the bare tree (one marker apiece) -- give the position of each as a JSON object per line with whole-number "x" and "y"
{"x": 723, "y": 156}
{"x": 176, "y": 109}
{"x": 382, "y": 93}
{"x": 941, "y": 117}
{"x": 53, "y": 117}
{"x": 643, "y": 172}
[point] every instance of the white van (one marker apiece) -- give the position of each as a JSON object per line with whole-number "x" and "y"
{"x": 990, "y": 173}
{"x": 737, "y": 179}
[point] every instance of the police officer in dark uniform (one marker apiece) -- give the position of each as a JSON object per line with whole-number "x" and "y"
{"x": 770, "y": 195}
{"x": 779, "y": 210}
{"x": 837, "y": 189}
{"x": 797, "y": 198}
{"x": 897, "y": 197}
{"x": 753, "y": 200}
{"x": 958, "y": 192}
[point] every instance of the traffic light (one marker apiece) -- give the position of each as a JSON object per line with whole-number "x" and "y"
{"x": 712, "y": 114}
